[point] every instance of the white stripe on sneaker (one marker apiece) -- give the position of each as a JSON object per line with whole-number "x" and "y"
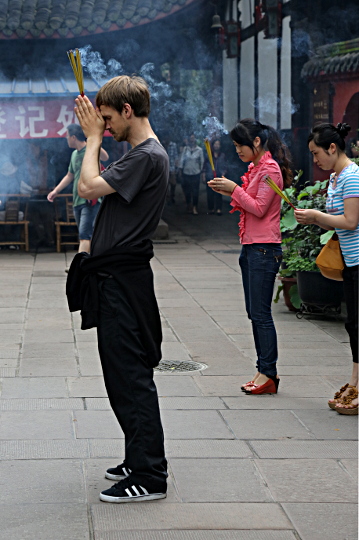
{"x": 144, "y": 490}
{"x": 136, "y": 490}
{"x": 128, "y": 492}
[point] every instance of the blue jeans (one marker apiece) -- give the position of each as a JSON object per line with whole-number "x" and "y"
{"x": 259, "y": 265}
{"x": 85, "y": 215}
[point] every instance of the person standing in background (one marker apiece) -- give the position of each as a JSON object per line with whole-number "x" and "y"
{"x": 260, "y": 236}
{"x": 85, "y": 211}
{"x": 214, "y": 200}
{"x": 191, "y": 165}
{"x": 171, "y": 149}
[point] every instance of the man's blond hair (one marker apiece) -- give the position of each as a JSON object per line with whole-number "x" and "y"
{"x": 125, "y": 89}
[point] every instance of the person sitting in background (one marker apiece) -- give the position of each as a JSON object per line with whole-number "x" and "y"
{"x": 191, "y": 165}
{"x": 327, "y": 145}
{"x": 214, "y": 200}
{"x": 85, "y": 212}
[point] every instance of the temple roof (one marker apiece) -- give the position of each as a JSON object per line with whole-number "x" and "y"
{"x": 33, "y": 88}
{"x": 337, "y": 58}
{"x": 69, "y": 18}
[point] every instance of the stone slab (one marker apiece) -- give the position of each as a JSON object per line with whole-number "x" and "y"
{"x": 41, "y": 404}
{"x": 8, "y": 371}
{"x": 232, "y": 480}
{"x": 271, "y": 424}
{"x": 48, "y": 367}
{"x": 171, "y": 516}
{"x": 305, "y": 449}
{"x": 316, "y": 521}
{"x": 196, "y": 535}
{"x": 178, "y": 385}
{"x": 173, "y": 350}
{"x": 96, "y": 424}
{"x": 40, "y": 387}
{"x": 108, "y": 448}
{"x": 221, "y": 385}
{"x": 351, "y": 466}
{"x": 36, "y": 425}
{"x": 43, "y": 449}
{"x": 57, "y": 521}
{"x": 310, "y": 480}
{"x": 90, "y": 366}
{"x": 39, "y": 336}
{"x": 9, "y": 362}
{"x": 9, "y": 353}
{"x": 328, "y": 424}
{"x": 207, "y": 448}
{"x": 52, "y": 481}
{"x": 12, "y": 315}
{"x": 86, "y": 387}
{"x": 54, "y": 350}
{"x": 194, "y": 425}
{"x": 276, "y": 402}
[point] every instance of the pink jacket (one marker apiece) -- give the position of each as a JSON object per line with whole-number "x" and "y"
{"x": 258, "y": 203}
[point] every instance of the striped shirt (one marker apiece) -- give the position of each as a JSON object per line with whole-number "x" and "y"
{"x": 347, "y": 187}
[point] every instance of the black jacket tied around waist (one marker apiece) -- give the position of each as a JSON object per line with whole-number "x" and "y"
{"x": 130, "y": 267}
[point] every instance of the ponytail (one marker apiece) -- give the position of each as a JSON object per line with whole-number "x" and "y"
{"x": 324, "y": 135}
{"x": 248, "y": 129}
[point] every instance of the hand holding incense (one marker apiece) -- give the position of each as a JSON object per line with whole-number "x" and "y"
{"x": 75, "y": 61}
{"x": 210, "y": 157}
{"x": 278, "y": 191}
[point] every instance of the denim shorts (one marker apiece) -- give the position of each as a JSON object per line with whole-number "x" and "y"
{"x": 85, "y": 215}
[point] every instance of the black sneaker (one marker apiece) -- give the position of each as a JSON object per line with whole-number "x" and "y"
{"x": 118, "y": 473}
{"x": 129, "y": 491}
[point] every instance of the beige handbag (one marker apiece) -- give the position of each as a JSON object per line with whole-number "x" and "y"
{"x": 330, "y": 260}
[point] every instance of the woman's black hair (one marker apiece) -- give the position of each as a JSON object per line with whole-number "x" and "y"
{"x": 248, "y": 129}
{"x": 324, "y": 135}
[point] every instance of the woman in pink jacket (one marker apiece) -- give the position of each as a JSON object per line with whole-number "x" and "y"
{"x": 260, "y": 237}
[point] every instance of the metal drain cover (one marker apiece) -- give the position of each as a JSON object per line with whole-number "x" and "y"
{"x": 176, "y": 366}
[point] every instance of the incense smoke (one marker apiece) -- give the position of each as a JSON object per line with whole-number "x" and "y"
{"x": 92, "y": 63}
{"x": 213, "y": 127}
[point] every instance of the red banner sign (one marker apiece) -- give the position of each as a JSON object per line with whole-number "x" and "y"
{"x": 36, "y": 119}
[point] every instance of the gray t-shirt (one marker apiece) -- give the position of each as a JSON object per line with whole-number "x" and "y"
{"x": 132, "y": 214}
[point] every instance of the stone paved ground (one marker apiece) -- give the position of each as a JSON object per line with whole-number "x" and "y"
{"x": 241, "y": 467}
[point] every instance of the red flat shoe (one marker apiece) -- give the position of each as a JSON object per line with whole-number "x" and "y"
{"x": 269, "y": 387}
{"x": 250, "y": 383}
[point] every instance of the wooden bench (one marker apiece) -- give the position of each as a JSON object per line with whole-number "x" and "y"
{"x": 12, "y": 209}
{"x": 65, "y": 233}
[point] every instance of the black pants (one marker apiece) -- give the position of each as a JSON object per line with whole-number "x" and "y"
{"x": 130, "y": 386}
{"x": 190, "y": 185}
{"x": 350, "y": 276}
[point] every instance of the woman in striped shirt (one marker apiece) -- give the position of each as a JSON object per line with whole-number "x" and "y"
{"x": 327, "y": 145}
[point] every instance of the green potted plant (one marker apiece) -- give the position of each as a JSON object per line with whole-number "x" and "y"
{"x": 301, "y": 246}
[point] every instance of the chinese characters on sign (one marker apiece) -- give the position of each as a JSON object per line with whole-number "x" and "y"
{"x": 30, "y": 119}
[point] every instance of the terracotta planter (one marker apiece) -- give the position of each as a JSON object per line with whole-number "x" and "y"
{"x": 287, "y": 282}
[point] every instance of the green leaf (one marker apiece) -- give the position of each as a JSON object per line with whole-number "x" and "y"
{"x": 294, "y": 296}
{"x": 325, "y": 237}
{"x": 288, "y": 221}
{"x": 279, "y": 290}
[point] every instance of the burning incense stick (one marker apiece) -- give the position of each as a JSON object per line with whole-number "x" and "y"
{"x": 75, "y": 61}
{"x": 210, "y": 157}
{"x": 275, "y": 188}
